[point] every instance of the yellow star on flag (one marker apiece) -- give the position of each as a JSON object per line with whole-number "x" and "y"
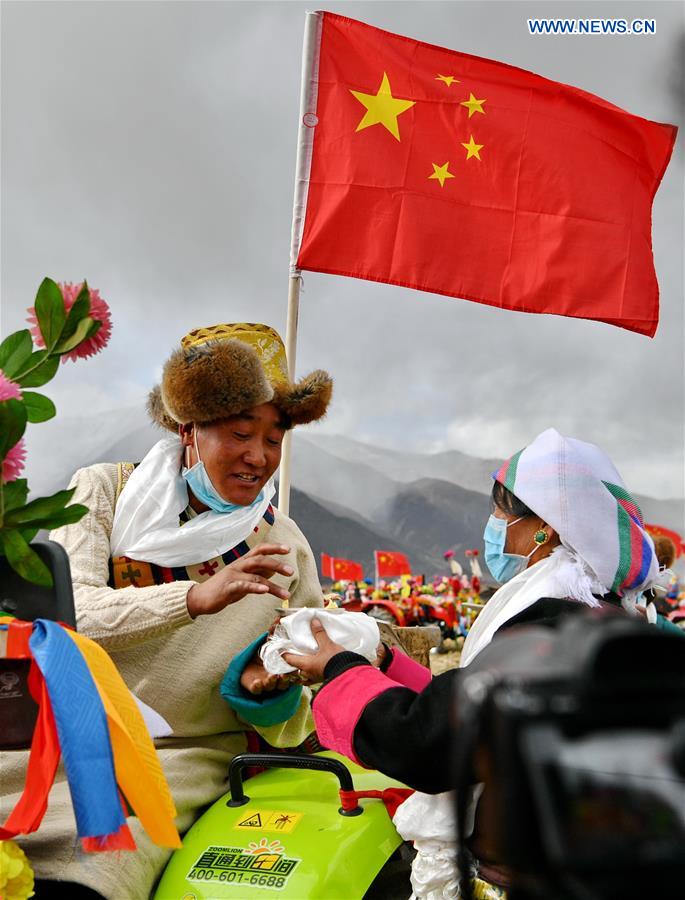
{"x": 382, "y": 108}
{"x": 440, "y": 173}
{"x": 474, "y": 105}
{"x": 473, "y": 149}
{"x": 448, "y": 79}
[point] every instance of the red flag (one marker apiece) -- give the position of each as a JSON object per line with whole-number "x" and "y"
{"x": 340, "y": 569}
{"x": 325, "y": 566}
{"x": 391, "y": 563}
{"x": 462, "y": 176}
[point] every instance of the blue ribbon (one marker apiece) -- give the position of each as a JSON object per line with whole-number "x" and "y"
{"x": 82, "y": 729}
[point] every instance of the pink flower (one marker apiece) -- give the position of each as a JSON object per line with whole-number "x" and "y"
{"x": 9, "y": 390}
{"x": 13, "y": 463}
{"x": 98, "y": 311}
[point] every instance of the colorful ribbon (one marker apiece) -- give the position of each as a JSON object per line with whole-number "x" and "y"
{"x": 87, "y": 713}
{"x": 138, "y": 770}
{"x": 82, "y": 729}
{"x": 43, "y": 761}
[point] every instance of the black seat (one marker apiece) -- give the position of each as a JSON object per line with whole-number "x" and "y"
{"x": 27, "y": 601}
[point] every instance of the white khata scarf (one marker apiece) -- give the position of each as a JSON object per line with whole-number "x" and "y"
{"x": 562, "y": 575}
{"x": 293, "y": 634}
{"x": 146, "y": 525}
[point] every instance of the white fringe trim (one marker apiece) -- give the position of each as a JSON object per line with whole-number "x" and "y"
{"x": 575, "y": 577}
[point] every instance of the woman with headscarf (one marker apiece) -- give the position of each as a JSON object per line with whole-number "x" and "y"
{"x": 564, "y": 536}
{"x": 178, "y": 565}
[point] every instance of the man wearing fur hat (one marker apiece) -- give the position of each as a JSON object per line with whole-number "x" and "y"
{"x": 176, "y": 568}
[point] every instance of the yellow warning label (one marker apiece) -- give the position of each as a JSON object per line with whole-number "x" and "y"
{"x": 270, "y": 820}
{"x": 252, "y": 821}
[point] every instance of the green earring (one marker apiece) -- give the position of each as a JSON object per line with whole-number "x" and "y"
{"x": 541, "y": 537}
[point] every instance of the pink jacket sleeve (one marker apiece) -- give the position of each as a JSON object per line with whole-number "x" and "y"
{"x": 340, "y": 703}
{"x": 406, "y": 671}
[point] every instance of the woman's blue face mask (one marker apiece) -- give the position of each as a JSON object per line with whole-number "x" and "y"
{"x": 503, "y": 566}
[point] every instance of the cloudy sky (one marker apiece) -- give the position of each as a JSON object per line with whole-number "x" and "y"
{"x": 151, "y": 148}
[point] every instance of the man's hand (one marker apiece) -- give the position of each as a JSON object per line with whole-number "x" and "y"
{"x": 257, "y": 680}
{"x": 248, "y": 575}
{"x": 312, "y": 665}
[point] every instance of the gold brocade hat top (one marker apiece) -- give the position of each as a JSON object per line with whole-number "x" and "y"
{"x": 263, "y": 338}
{"x": 221, "y": 370}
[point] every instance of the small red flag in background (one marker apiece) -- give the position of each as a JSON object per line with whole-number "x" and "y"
{"x": 340, "y": 569}
{"x": 390, "y": 563}
{"x": 458, "y": 175}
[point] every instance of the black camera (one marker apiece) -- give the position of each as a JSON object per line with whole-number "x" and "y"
{"x": 578, "y": 735}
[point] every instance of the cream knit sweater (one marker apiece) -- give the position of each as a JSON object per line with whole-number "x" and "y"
{"x": 173, "y": 663}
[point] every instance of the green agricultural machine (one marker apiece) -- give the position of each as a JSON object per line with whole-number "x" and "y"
{"x": 297, "y": 830}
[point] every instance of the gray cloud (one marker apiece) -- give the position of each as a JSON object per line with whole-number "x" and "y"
{"x": 151, "y": 147}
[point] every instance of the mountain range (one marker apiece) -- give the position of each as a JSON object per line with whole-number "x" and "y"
{"x": 349, "y": 498}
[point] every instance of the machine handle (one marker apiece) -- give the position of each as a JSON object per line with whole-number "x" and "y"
{"x": 287, "y": 761}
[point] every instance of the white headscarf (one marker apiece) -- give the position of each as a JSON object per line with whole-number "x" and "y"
{"x": 146, "y": 524}
{"x": 575, "y": 488}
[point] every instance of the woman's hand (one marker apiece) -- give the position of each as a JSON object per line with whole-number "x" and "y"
{"x": 312, "y": 665}
{"x": 248, "y": 575}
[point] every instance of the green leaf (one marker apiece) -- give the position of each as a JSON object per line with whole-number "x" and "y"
{"x": 40, "y": 508}
{"x": 12, "y": 424}
{"x": 43, "y": 372}
{"x": 23, "y": 559}
{"x": 67, "y": 516}
{"x": 50, "y": 311}
{"x": 78, "y": 311}
{"x": 14, "y": 493}
{"x": 82, "y": 331}
{"x": 38, "y": 407}
{"x": 28, "y": 533}
{"x": 94, "y": 328}
{"x": 14, "y": 351}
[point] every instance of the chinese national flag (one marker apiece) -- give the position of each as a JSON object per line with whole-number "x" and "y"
{"x": 340, "y": 569}
{"x": 389, "y": 564}
{"x": 450, "y": 173}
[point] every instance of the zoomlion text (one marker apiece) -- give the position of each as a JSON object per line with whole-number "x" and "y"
{"x": 592, "y": 26}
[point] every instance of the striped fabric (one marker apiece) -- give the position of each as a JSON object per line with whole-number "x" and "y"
{"x": 125, "y": 572}
{"x": 635, "y": 548}
{"x": 507, "y": 474}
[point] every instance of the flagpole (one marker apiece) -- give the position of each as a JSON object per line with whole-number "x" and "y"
{"x": 291, "y": 352}
{"x": 305, "y": 142}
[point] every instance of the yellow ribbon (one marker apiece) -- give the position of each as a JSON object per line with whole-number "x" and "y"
{"x": 138, "y": 770}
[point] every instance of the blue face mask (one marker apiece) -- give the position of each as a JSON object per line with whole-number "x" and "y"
{"x": 200, "y": 484}
{"x": 503, "y": 566}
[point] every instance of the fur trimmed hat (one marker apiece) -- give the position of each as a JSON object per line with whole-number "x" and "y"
{"x": 225, "y": 369}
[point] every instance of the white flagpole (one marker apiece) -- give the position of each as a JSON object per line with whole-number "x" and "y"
{"x": 305, "y": 143}
{"x": 290, "y": 350}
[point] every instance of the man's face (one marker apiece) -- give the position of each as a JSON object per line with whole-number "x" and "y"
{"x": 240, "y": 453}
